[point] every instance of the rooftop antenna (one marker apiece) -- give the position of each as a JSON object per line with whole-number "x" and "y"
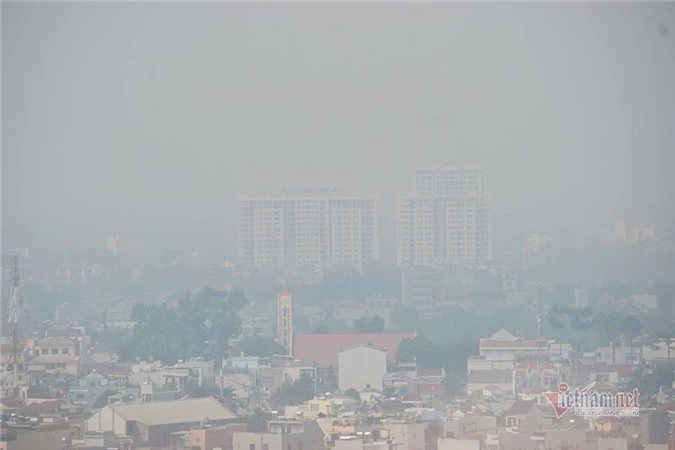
{"x": 539, "y": 338}
{"x": 13, "y": 381}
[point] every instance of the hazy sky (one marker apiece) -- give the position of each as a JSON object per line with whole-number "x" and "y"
{"x": 151, "y": 115}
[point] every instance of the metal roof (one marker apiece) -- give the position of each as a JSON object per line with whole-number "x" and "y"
{"x": 170, "y": 412}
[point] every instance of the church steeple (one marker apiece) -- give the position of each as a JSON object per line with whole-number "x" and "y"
{"x": 285, "y": 318}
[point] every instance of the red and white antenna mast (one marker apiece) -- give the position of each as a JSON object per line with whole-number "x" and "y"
{"x": 12, "y": 381}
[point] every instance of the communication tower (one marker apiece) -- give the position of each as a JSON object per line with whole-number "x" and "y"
{"x": 13, "y": 380}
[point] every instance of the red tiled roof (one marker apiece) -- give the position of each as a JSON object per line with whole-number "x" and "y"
{"x": 324, "y": 348}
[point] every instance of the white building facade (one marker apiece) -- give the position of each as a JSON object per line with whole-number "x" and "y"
{"x": 448, "y": 220}
{"x": 362, "y": 367}
{"x": 308, "y": 228}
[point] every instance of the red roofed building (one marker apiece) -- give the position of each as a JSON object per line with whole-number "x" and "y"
{"x": 323, "y": 349}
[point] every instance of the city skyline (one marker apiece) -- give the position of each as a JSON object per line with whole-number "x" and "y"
{"x": 337, "y": 226}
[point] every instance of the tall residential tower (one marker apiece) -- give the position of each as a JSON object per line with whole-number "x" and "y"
{"x": 307, "y": 228}
{"x": 447, "y": 221}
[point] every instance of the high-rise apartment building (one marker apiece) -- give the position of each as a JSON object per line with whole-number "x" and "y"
{"x": 448, "y": 181}
{"x": 307, "y": 228}
{"x": 447, "y": 221}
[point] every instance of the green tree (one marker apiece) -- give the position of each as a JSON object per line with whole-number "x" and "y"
{"x": 257, "y": 422}
{"x": 102, "y": 399}
{"x": 353, "y": 393}
{"x": 405, "y": 318}
{"x": 421, "y": 350}
{"x": 559, "y": 317}
{"x": 321, "y": 329}
{"x": 666, "y": 336}
{"x": 201, "y": 323}
{"x": 650, "y": 379}
{"x": 369, "y": 325}
{"x": 632, "y": 328}
{"x": 261, "y": 346}
{"x": 581, "y": 319}
{"x": 455, "y": 356}
{"x": 610, "y": 326}
{"x": 294, "y": 393}
{"x": 329, "y": 381}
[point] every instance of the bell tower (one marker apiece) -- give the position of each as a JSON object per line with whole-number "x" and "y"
{"x": 285, "y": 318}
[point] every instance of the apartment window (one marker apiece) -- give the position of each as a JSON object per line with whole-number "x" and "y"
{"x": 45, "y": 351}
{"x": 251, "y": 446}
{"x": 290, "y": 447}
{"x": 65, "y": 351}
{"x": 79, "y": 396}
{"x": 266, "y": 446}
{"x": 55, "y": 351}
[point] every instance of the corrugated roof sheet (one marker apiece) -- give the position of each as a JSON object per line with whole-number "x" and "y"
{"x": 179, "y": 411}
{"x": 520, "y": 408}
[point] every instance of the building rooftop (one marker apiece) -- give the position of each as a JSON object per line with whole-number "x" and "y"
{"x": 492, "y": 343}
{"x": 305, "y": 193}
{"x": 179, "y": 411}
{"x": 372, "y": 347}
{"x": 323, "y": 349}
{"x": 56, "y": 340}
{"x": 520, "y": 407}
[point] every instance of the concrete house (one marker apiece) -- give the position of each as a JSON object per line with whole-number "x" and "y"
{"x": 90, "y": 388}
{"x": 55, "y": 354}
{"x": 470, "y": 425}
{"x": 153, "y": 423}
{"x": 408, "y": 436}
{"x": 517, "y": 415}
{"x": 210, "y": 438}
{"x": 362, "y": 367}
{"x": 481, "y": 379}
{"x": 282, "y": 435}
